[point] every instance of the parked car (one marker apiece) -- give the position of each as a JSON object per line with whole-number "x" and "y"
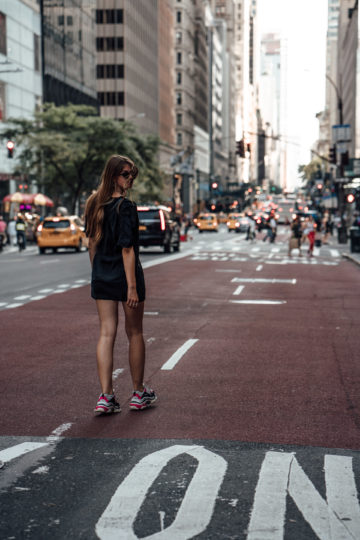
{"x": 207, "y": 222}
{"x": 158, "y": 228}
{"x": 60, "y": 232}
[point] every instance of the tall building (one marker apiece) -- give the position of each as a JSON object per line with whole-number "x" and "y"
{"x": 348, "y": 72}
{"x": 331, "y": 100}
{"x": 246, "y": 54}
{"x": 270, "y": 108}
{"x": 20, "y": 73}
{"x": 68, "y": 49}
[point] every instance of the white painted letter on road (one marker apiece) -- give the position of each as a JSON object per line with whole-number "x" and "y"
{"x": 281, "y": 475}
{"x": 195, "y": 511}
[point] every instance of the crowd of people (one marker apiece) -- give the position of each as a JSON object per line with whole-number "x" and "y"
{"x": 19, "y": 229}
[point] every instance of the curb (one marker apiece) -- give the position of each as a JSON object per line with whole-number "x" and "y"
{"x": 351, "y": 258}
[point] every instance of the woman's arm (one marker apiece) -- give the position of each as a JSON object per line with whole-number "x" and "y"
{"x": 128, "y": 256}
{"x": 92, "y": 250}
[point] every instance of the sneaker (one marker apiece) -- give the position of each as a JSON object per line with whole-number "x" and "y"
{"x": 106, "y": 406}
{"x": 142, "y": 400}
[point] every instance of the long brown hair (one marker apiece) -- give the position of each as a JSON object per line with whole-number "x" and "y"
{"x": 94, "y": 209}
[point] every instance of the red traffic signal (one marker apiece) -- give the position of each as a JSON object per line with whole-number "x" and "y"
{"x": 350, "y": 198}
{"x": 10, "y": 145}
{"x": 214, "y": 185}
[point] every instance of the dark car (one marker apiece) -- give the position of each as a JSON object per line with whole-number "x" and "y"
{"x": 157, "y": 228}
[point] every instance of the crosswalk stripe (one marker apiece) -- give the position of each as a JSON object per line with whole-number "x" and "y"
{"x": 19, "y": 449}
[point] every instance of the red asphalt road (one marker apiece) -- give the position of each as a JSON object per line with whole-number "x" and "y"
{"x": 286, "y": 374}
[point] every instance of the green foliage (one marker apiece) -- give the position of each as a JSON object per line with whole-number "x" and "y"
{"x": 65, "y": 150}
{"x": 308, "y": 172}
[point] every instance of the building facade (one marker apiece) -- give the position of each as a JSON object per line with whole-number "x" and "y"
{"x": 68, "y": 50}
{"x": 20, "y": 73}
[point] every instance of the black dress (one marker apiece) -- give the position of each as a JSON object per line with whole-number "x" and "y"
{"x": 120, "y": 230}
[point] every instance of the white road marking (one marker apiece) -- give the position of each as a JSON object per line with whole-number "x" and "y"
{"x": 39, "y": 297}
{"x": 9, "y": 306}
{"x": 56, "y": 433}
{"x": 82, "y": 281}
{"x": 258, "y": 301}
{"x": 151, "y": 313}
{"x": 169, "y": 258}
{"x": 254, "y": 249}
{"x": 45, "y": 291}
{"x": 275, "y": 249}
{"x": 19, "y": 449}
{"x": 3, "y": 304}
{"x": 174, "y": 359}
{"x": 23, "y": 297}
{"x": 259, "y": 268}
{"x": 219, "y": 270}
{"x": 281, "y": 475}
{"x": 196, "y": 508}
{"x": 117, "y": 372}
{"x": 41, "y": 470}
{"x": 239, "y": 290}
{"x": 50, "y": 261}
{"x": 262, "y": 280}
{"x": 334, "y": 253}
{"x": 63, "y": 285}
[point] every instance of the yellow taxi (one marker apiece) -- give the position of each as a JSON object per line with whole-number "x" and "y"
{"x": 233, "y": 222}
{"x": 207, "y": 222}
{"x": 61, "y": 232}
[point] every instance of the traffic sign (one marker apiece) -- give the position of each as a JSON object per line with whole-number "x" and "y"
{"x": 341, "y": 133}
{"x": 353, "y": 169}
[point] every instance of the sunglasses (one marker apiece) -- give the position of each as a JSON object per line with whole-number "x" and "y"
{"x": 126, "y": 174}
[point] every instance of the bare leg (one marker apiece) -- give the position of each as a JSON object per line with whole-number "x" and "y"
{"x": 134, "y": 332}
{"x": 108, "y": 315}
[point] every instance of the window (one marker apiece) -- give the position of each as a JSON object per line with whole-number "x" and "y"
{"x": 3, "y": 34}
{"x": 101, "y": 98}
{"x": 178, "y": 16}
{"x": 109, "y": 16}
{"x": 99, "y": 44}
{"x": 119, "y": 16}
{"x": 61, "y": 20}
{"x": 119, "y": 43}
{"x": 99, "y": 71}
{"x": 120, "y": 71}
{"x": 110, "y": 44}
{"x": 110, "y": 71}
{"x": 120, "y": 98}
{"x": 99, "y": 16}
{"x": 69, "y": 20}
{"x": 111, "y": 98}
{"x": 179, "y": 139}
{"x": 178, "y": 98}
{"x": 179, "y": 119}
{"x": 178, "y": 58}
{"x": 36, "y": 52}
{"x": 179, "y": 77}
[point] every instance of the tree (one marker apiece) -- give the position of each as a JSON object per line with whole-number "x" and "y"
{"x": 309, "y": 171}
{"x": 66, "y": 147}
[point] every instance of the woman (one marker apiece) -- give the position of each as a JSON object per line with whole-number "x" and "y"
{"x": 310, "y": 234}
{"x": 117, "y": 276}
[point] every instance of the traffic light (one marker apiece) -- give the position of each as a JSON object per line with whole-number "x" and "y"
{"x": 214, "y": 185}
{"x": 345, "y": 158}
{"x": 350, "y": 198}
{"x": 332, "y": 154}
{"x": 10, "y": 148}
{"x": 240, "y": 148}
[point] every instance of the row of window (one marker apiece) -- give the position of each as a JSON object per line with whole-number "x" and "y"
{"x": 109, "y": 71}
{"x": 111, "y": 98}
{"x": 110, "y": 43}
{"x": 69, "y": 20}
{"x": 109, "y": 16}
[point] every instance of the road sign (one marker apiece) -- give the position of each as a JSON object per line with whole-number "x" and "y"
{"x": 353, "y": 169}
{"x": 341, "y": 133}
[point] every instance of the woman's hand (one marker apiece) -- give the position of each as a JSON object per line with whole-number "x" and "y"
{"x": 132, "y": 297}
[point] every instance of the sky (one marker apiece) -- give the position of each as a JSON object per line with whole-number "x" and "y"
{"x": 303, "y": 23}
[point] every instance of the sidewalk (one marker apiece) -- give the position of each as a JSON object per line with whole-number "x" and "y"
{"x": 346, "y": 253}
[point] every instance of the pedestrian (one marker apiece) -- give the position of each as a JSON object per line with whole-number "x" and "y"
{"x": 21, "y": 232}
{"x": 310, "y": 234}
{"x": 111, "y": 224}
{"x": 296, "y": 236}
{"x": 11, "y": 229}
{"x": 251, "y": 230}
{"x": 3, "y": 236}
{"x": 273, "y": 226}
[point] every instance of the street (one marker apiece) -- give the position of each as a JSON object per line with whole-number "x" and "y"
{"x": 256, "y": 432}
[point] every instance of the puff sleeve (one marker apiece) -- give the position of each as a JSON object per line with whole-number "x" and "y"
{"x": 128, "y": 224}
